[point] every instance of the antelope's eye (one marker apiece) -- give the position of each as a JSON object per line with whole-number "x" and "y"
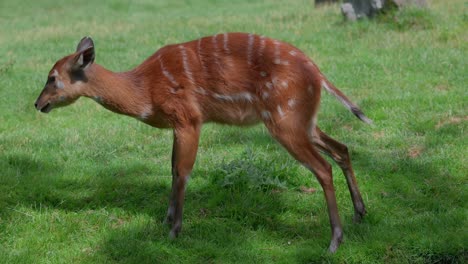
{"x": 51, "y": 79}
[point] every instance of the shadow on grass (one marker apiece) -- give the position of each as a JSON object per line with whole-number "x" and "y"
{"x": 233, "y": 223}
{"x": 232, "y": 218}
{"x": 417, "y": 213}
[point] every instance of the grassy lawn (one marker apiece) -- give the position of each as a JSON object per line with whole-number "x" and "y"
{"x": 84, "y": 185}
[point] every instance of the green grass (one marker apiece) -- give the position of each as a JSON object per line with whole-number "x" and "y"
{"x": 83, "y": 185}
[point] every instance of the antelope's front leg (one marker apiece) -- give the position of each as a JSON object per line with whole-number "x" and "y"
{"x": 184, "y": 153}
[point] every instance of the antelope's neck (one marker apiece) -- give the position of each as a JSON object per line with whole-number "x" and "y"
{"x": 122, "y": 93}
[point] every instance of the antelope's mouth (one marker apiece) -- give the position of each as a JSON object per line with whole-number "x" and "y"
{"x": 46, "y": 108}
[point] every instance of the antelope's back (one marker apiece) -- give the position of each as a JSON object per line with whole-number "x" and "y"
{"x": 235, "y": 78}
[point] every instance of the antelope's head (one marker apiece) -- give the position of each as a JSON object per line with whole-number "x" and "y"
{"x": 66, "y": 78}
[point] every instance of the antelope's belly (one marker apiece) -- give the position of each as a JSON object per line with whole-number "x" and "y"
{"x": 230, "y": 114}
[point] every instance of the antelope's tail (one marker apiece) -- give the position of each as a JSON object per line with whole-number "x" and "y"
{"x": 344, "y": 100}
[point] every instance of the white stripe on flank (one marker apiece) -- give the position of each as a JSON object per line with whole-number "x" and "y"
{"x": 293, "y": 53}
{"x": 200, "y": 58}
{"x": 269, "y": 85}
{"x": 201, "y": 91}
{"x": 227, "y": 59}
{"x": 244, "y": 96}
{"x": 199, "y": 47}
{"x": 265, "y": 95}
{"x": 215, "y": 50}
{"x": 167, "y": 73}
{"x": 187, "y": 71}
{"x": 262, "y": 46}
{"x": 226, "y": 40}
{"x": 291, "y": 103}
{"x": 277, "y": 52}
{"x": 250, "y": 49}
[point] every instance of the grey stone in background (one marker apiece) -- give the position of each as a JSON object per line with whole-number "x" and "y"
{"x": 356, "y": 9}
{"x": 348, "y": 12}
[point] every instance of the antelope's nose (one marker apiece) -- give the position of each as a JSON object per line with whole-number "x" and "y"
{"x": 35, "y": 105}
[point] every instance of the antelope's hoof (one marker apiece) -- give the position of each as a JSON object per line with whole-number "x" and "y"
{"x": 169, "y": 220}
{"x": 358, "y": 216}
{"x": 336, "y": 241}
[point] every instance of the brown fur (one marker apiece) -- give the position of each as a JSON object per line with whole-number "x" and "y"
{"x": 235, "y": 78}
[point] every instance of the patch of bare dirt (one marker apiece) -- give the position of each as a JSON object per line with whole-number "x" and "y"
{"x": 415, "y": 151}
{"x": 307, "y": 190}
{"x": 451, "y": 120}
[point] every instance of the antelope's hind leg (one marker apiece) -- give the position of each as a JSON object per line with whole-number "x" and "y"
{"x": 295, "y": 139}
{"x": 339, "y": 153}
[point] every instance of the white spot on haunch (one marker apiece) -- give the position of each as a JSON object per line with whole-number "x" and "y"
{"x": 284, "y": 84}
{"x": 277, "y": 59}
{"x": 280, "y": 111}
{"x": 275, "y": 80}
{"x": 291, "y": 103}
{"x": 54, "y": 73}
{"x": 263, "y": 74}
{"x": 310, "y": 89}
{"x": 266, "y": 115}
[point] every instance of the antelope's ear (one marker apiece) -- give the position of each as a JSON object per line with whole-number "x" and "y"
{"x": 84, "y": 54}
{"x": 85, "y": 43}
